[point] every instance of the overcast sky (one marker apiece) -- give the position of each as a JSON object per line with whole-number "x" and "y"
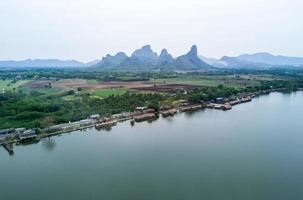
{"x": 88, "y": 29}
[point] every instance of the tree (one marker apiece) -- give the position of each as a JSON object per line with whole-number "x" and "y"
{"x": 154, "y": 104}
{"x": 47, "y": 122}
{"x": 71, "y": 92}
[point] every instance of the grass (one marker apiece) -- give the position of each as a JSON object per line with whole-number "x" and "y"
{"x": 210, "y": 81}
{"x": 52, "y": 90}
{"x": 108, "y": 92}
{"x": 92, "y": 81}
{"x": 189, "y": 81}
{"x": 10, "y": 85}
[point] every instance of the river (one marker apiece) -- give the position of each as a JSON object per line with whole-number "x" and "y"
{"x": 253, "y": 151}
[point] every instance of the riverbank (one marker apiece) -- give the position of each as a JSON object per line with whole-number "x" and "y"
{"x": 144, "y": 114}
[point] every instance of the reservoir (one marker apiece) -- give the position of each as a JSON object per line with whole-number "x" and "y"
{"x": 252, "y": 152}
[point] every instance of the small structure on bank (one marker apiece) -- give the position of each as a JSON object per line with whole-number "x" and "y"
{"x": 28, "y": 135}
{"x": 169, "y": 113}
{"x": 6, "y": 132}
{"x": 106, "y": 124}
{"x": 144, "y": 117}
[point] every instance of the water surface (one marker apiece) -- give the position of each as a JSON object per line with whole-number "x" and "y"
{"x": 251, "y": 152}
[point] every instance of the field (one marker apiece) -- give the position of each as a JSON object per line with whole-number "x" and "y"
{"x": 166, "y": 88}
{"x": 108, "y": 92}
{"x": 210, "y": 81}
{"x": 42, "y": 86}
{"x": 10, "y": 85}
{"x": 94, "y": 87}
{"x": 104, "y": 89}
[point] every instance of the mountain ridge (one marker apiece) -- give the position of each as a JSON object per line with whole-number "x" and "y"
{"x": 146, "y": 59}
{"x": 43, "y": 63}
{"x": 260, "y": 60}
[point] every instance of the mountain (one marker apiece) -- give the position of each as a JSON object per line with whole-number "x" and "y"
{"x": 112, "y": 61}
{"x": 146, "y": 59}
{"x": 208, "y": 60}
{"x": 42, "y": 63}
{"x": 190, "y": 61}
{"x": 256, "y": 61}
{"x": 145, "y": 55}
{"x": 270, "y": 59}
{"x": 165, "y": 57}
{"x": 166, "y": 60}
{"x": 94, "y": 62}
{"x": 235, "y": 62}
{"x": 141, "y": 59}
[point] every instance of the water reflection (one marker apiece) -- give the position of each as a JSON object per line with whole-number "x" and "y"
{"x": 191, "y": 114}
{"x": 49, "y": 144}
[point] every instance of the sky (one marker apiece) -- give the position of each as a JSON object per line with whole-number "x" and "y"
{"x": 88, "y": 29}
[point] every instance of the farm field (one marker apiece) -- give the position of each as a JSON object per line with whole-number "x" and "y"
{"x": 10, "y": 85}
{"x": 209, "y": 81}
{"x": 105, "y": 89}
{"x": 108, "y": 92}
{"x": 94, "y": 87}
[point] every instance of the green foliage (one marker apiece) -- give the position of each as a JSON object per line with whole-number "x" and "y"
{"x": 108, "y": 92}
{"x": 31, "y": 110}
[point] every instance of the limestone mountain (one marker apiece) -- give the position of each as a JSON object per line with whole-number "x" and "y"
{"x": 110, "y": 61}
{"x": 190, "y": 61}
{"x": 141, "y": 59}
{"x": 146, "y": 59}
{"x": 166, "y": 60}
{"x": 165, "y": 57}
{"x": 145, "y": 54}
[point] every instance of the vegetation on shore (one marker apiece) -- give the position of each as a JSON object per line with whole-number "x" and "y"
{"x": 33, "y": 109}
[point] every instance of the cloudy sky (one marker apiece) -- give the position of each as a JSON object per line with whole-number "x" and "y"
{"x": 88, "y": 29}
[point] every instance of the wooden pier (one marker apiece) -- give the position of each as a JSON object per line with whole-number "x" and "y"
{"x": 8, "y": 146}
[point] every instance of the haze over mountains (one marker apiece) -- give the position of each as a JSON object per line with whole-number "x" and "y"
{"x": 255, "y": 61}
{"x": 146, "y": 59}
{"x": 36, "y": 63}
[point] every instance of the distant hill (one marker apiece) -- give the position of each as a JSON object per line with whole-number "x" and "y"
{"x": 208, "y": 60}
{"x": 255, "y": 61}
{"x": 42, "y": 63}
{"x": 235, "y": 62}
{"x": 270, "y": 59}
{"x": 146, "y": 59}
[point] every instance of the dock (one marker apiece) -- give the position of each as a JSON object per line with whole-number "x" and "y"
{"x": 8, "y": 146}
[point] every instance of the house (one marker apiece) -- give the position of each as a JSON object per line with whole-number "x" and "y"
{"x": 87, "y": 122}
{"x": 140, "y": 109}
{"x": 149, "y": 111}
{"x": 64, "y": 127}
{"x": 96, "y": 116}
{"x": 19, "y": 130}
{"x": 8, "y": 131}
{"x": 27, "y": 135}
{"x": 219, "y": 100}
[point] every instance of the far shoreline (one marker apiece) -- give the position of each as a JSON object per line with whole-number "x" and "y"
{"x": 181, "y": 109}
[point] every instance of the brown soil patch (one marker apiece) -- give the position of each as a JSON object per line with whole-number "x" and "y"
{"x": 167, "y": 88}
{"x": 82, "y": 83}
{"x": 67, "y": 84}
{"x": 39, "y": 84}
